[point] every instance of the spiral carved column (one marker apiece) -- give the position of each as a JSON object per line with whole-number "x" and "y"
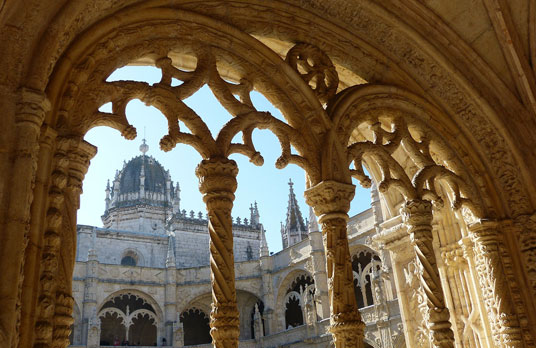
{"x": 504, "y": 322}
{"x": 330, "y": 201}
{"x": 418, "y": 216}
{"x": 217, "y": 183}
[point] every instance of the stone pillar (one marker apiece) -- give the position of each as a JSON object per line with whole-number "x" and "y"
{"x": 319, "y": 272}
{"x": 50, "y": 258}
{"x": 91, "y": 283}
{"x": 178, "y": 333}
{"x": 31, "y": 109}
{"x": 330, "y": 201}
{"x": 267, "y": 291}
{"x": 418, "y": 216}
{"x": 170, "y": 302}
{"x": 217, "y": 183}
{"x": 79, "y": 155}
{"x": 35, "y": 240}
{"x": 505, "y": 327}
{"x": 393, "y": 235}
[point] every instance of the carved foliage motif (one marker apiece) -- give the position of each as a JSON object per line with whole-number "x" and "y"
{"x": 315, "y": 68}
{"x": 495, "y": 290}
{"x": 417, "y": 302}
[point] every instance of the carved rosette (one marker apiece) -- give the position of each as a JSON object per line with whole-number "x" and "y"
{"x": 330, "y": 201}
{"x": 495, "y": 290}
{"x": 217, "y": 183}
{"x": 418, "y": 216}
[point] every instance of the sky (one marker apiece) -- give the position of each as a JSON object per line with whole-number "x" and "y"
{"x": 266, "y": 185}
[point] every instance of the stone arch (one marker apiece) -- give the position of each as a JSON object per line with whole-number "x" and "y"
{"x": 144, "y": 297}
{"x": 200, "y": 302}
{"x": 246, "y": 305}
{"x": 365, "y": 265}
{"x": 327, "y": 27}
{"x": 283, "y": 295}
{"x": 196, "y": 326}
{"x": 130, "y": 315}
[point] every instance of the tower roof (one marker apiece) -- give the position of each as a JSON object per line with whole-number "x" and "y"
{"x": 143, "y": 180}
{"x": 155, "y": 175}
{"x": 294, "y": 225}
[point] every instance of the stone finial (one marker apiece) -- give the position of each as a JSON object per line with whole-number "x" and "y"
{"x": 313, "y": 224}
{"x": 170, "y": 258}
{"x": 144, "y": 147}
{"x": 107, "y": 200}
{"x": 176, "y": 201}
{"x": 264, "y": 251}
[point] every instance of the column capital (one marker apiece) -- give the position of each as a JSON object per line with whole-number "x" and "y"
{"x": 417, "y": 212}
{"x": 80, "y": 154}
{"x": 485, "y": 233}
{"x": 217, "y": 175}
{"x": 482, "y": 225}
{"x": 330, "y": 199}
{"x": 32, "y": 106}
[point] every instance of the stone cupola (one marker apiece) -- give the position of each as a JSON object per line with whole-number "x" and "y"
{"x": 142, "y": 189}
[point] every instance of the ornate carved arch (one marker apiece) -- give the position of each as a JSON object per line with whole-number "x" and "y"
{"x": 146, "y": 298}
{"x": 388, "y": 118}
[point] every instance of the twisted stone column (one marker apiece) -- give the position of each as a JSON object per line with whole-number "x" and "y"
{"x": 418, "y": 216}
{"x": 330, "y": 201}
{"x": 217, "y": 183}
{"x": 504, "y": 323}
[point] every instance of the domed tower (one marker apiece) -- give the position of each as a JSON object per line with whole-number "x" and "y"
{"x": 142, "y": 196}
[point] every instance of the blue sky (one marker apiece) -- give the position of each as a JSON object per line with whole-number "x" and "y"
{"x": 266, "y": 184}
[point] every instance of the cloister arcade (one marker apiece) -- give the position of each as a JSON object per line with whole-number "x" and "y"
{"x": 448, "y": 142}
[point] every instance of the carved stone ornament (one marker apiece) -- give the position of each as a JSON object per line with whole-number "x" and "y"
{"x": 504, "y": 323}
{"x": 418, "y": 216}
{"x": 331, "y": 201}
{"x": 217, "y": 183}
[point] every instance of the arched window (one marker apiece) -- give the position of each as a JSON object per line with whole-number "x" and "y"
{"x": 364, "y": 264}
{"x": 294, "y": 300}
{"x": 128, "y": 319}
{"x": 196, "y": 327}
{"x": 128, "y": 261}
{"x": 130, "y": 258}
